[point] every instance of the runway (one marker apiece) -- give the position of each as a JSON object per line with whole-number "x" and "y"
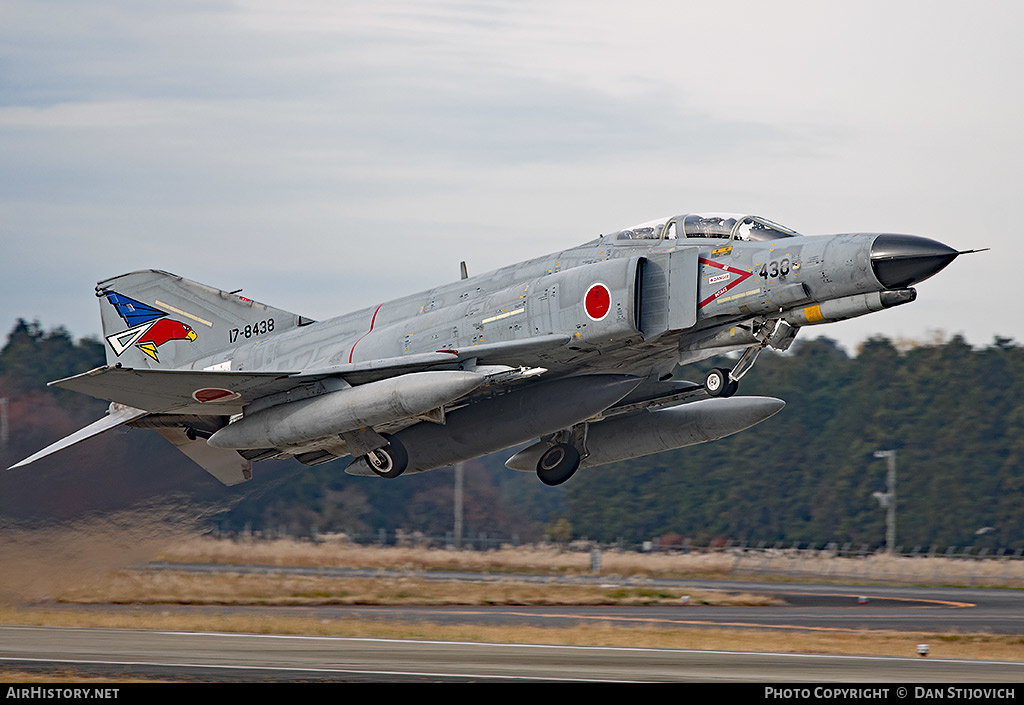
{"x": 816, "y": 608}
{"x": 250, "y": 658}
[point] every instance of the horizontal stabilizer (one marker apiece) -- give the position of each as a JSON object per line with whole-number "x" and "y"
{"x": 117, "y": 415}
{"x": 226, "y": 465}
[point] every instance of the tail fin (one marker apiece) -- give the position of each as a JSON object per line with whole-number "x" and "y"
{"x": 160, "y": 320}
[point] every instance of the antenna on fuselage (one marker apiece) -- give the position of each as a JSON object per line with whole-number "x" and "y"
{"x": 462, "y": 267}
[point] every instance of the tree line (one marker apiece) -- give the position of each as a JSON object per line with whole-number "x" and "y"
{"x": 953, "y": 413}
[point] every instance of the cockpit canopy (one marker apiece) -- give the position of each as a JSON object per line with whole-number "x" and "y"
{"x": 725, "y": 226}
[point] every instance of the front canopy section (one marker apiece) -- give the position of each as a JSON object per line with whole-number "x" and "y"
{"x": 723, "y": 226}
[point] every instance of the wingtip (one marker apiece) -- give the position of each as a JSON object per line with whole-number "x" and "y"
{"x": 27, "y": 461}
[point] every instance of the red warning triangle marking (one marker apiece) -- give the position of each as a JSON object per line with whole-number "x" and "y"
{"x": 732, "y": 270}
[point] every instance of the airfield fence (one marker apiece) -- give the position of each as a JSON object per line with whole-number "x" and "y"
{"x": 831, "y": 561}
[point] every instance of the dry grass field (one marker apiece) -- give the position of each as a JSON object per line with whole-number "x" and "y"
{"x": 537, "y": 560}
{"x": 187, "y": 588}
{"x": 784, "y": 564}
{"x": 148, "y": 590}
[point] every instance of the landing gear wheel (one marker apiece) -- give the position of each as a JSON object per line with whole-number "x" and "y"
{"x": 718, "y": 384}
{"x": 389, "y": 461}
{"x": 558, "y": 464}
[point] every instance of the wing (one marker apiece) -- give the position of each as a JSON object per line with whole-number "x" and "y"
{"x": 178, "y": 391}
{"x": 188, "y": 406}
{"x": 225, "y": 393}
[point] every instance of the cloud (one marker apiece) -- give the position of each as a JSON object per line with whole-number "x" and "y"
{"x": 345, "y": 153}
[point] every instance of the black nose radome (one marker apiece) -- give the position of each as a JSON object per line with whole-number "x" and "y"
{"x": 902, "y": 260}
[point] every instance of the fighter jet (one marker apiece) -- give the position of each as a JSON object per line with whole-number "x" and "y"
{"x": 577, "y": 353}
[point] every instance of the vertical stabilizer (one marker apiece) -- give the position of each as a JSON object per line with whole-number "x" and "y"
{"x": 159, "y": 320}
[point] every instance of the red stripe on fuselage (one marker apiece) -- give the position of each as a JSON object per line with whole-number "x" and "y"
{"x": 372, "y": 321}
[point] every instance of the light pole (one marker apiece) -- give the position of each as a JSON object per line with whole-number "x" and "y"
{"x": 888, "y": 500}
{"x": 458, "y": 505}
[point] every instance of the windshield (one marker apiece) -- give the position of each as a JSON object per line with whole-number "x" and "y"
{"x": 725, "y": 226}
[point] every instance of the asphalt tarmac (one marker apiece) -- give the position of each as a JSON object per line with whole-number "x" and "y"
{"x": 256, "y": 657}
{"x": 808, "y": 607}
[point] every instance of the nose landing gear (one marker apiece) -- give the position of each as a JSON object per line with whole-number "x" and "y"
{"x": 718, "y": 383}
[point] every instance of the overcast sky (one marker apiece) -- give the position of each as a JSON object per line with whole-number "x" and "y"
{"x": 328, "y": 156}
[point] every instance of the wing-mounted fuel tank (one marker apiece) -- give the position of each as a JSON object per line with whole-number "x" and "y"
{"x": 294, "y": 423}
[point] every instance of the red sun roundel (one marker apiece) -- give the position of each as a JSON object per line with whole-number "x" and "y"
{"x": 213, "y": 394}
{"x": 597, "y": 302}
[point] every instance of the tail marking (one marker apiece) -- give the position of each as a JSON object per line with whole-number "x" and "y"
{"x": 149, "y": 327}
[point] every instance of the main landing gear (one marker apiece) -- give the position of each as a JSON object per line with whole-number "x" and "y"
{"x": 558, "y": 464}
{"x": 389, "y": 461}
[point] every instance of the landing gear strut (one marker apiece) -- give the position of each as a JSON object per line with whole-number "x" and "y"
{"x": 772, "y": 332}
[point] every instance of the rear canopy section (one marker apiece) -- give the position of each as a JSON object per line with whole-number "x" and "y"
{"x": 724, "y": 226}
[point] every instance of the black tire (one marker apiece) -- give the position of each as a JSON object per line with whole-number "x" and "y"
{"x": 732, "y": 388}
{"x": 558, "y": 464}
{"x": 389, "y": 461}
{"x": 717, "y": 383}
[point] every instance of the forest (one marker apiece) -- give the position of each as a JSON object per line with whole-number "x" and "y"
{"x": 954, "y": 413}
